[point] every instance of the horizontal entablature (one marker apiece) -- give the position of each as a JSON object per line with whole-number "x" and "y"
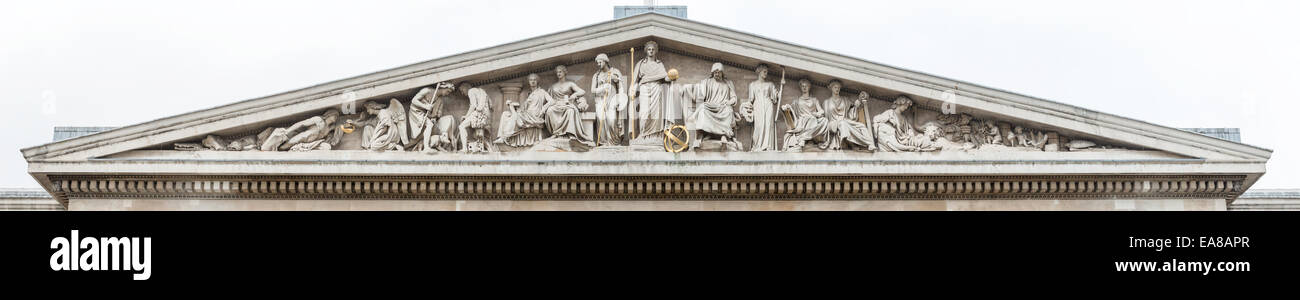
{"x": 645, "y": 164}
{"x": 648, "y": 187}
{"x": 624, "y": 154}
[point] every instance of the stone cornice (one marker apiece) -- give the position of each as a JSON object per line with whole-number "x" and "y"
{"x": 646, "y": 187}
{"x": 1196, "y": 165}
{"x": 647, "y": 25}
{"x": 364, "y": 86}
{"x": 1000, "y": 102}
{"x": 752, "y": 176}
{"x": 484, "y": 166}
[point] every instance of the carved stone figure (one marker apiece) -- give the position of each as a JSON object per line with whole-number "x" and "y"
{"x": 1053, "y": 143}
{"x": 933, "y": 139}
{"x": 384, "y": 127}
{"x": 521, "y": 124}
{"x": 650, "y": 88}
{"x": 1018, "y": 137}
{"x": 809, "y": 119}
{"x": 477, "y": 119}
{"x": 191, "y": 146}
{"x": 218, "y": 143}
{"x": 760, "y": 108}
{"x": 958, "y": 128}
{"x": 841, "y": 121}
{"x": 305, "y": 135}
{"x": 277, "y": 138}
{"x": 714, "y": 116}
{"x": 321, "y": 133}
{"x": 1013, "y": 136}
{"x": 563, "y": 118}
{"x": 610, "y": 95}
{"x": 1080, "y": 144}
{"x": 250, "y": 142}
{"x": 894, "y": 131}
{"x": 1036, "y": 139}
{"x": 1008, "y": 137}
{"x": 969, "y": 133}
{"x": 992, "y": 134}
{"x": 683, "y": 100}
{"x": 430, "y": 128}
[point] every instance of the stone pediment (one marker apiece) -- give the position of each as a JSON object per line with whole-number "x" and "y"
{"x": 949, "y": 128}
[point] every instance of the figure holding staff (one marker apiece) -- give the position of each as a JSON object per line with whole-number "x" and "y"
{"x": 606, "y": 87}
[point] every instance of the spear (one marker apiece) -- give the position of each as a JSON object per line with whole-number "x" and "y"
{"x": 780, "y": 90}
{"x": 631, "y": 110}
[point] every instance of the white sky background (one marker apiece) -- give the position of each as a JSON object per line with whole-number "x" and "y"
{"x": 1174, "y": 63}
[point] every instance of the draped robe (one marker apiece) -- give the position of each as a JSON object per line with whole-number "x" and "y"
{"x": 418, "y": 117}
{"x": 894, "y": 132}
{"x": 388, "y": 132}
{"x": 431, "y": 120}
{"x": 809, "y": 123}
{"x": 650, "y": 100}
{"x": 523, "y": 127}
{"x": 714, "y": 114}
{"x": 841, "y": 126}
{"x": 608, "y": 94}
{"x": 563, "y": 117}
{"x": 763, "y": 97}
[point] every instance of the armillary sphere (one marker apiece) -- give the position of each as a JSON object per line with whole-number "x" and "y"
{"x": 675, "y": 138}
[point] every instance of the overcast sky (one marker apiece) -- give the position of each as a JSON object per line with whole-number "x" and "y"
{"x": 1174, "y": 63}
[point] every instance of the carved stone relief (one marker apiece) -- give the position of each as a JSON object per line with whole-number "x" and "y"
{"x": 564, "y": 110}
{"x": 712, "y": 115}
{"x": 611, "y": 102}
{"x": 760, "y": 109}
{"x": 430, "y": 128}
{"x": 521, "y": 123}
{"x": 650, "y": 89}
{"x": 384, "y": 127}
{"x": 474, "y": 127}
{"x": 632, "y": 111}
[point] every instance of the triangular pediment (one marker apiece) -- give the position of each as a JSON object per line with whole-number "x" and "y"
{"x": 692, "y": 47}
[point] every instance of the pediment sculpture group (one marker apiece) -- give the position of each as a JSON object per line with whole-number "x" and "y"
{"x": 638, "y": 111}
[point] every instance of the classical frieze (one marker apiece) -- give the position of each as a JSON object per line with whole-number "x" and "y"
{"x": 635, "y": 110}
{"x": 646, "y": 107}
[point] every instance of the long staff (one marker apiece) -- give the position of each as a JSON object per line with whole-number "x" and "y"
{"x": 428, "y": 114}
{"x": 780, "y": 90}
{"x": 631, "y": 110}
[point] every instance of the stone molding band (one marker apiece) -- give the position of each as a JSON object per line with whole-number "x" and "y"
{"x": 647, "y": 187}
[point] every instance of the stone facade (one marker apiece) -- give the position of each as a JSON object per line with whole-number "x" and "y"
{"x": 1268, "y": 199}
{"x": 856, "y": 135}
{"x": 27, "y": 199}
{"x": 812, "y": 204}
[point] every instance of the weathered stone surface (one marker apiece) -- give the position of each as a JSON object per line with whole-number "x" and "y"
{"x": 811, "y": 204}
{"x": 560, "y": 144}
{"x": 953, "y": 146}
{"x": 717, "y": 145}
